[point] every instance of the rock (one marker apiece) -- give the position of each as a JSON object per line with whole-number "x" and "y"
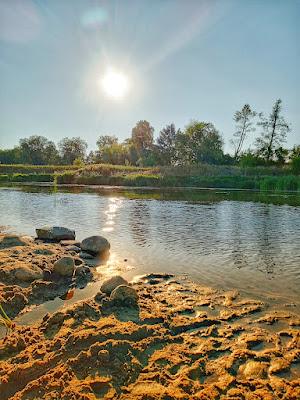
{"x": 28, "y": 273}
{"x": 12, "y": 241}
{"x": 41, "y": 289}
{"x": 95, "y": 245}
{"x": 99, "y": 297}
{"x": 47, "y": 275}
{"x": 83, "y": 254}
{"x": 64, "y": 266}
{"x": 70, "y": 243}
{"x": 78, "y": 261}
{"x": 13, "y": 305}
{"x": 55, "y": 233}
{"x": 44, "y": 252}
{"x": 110, "y": 284}
{"x": 82, "y": 271}
{"x": 124, "y": 295}
{"x": 73, "y": 248}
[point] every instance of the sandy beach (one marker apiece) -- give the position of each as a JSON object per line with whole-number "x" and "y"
{"x": 177, "y": 340}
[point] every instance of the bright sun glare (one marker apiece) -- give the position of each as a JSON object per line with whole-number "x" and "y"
{"x": 115, "y": 84}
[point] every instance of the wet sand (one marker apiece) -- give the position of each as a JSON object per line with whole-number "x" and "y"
{"x": 182, "y": 341}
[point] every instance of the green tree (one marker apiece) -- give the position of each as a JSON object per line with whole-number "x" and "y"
{"x": 295, "y": 159}
{"x": 142, "y": 137}
{"x": 106, "y": 140}
{"x": 166, "y": 145}
{"x": 71, "y": 149}
{"x": 90, "y": 158}
{"x": 104, "y": 144}
{"x": 274, "y": 131}
{"x": 281, "y": 155}
{"x": 115, "y": 154}
{"x": 200, "y": 143}
{"x": 295, "y": 152}
{"x": 11, "y": 156}
{"x": 38, "y": 150}
{"x": 132, "y": 153}
{"x": 244, "y": 125}
{"x": 250, "y": 159}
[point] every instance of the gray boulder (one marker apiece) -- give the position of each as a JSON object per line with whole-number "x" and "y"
{"x": 73, "y": 248}
{"x": 124, "y": 295}
{"x": 82, "y": 271}
{"x": 64, "y": 266}
{"x": 110, "y": 284}
{"x": 55, "y": 233}
{"x": 95, "y": 245}
{"x": 70, "y": 243}
{"x": 85, "y": 255}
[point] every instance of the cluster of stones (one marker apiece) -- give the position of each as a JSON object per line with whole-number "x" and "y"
{"x": 91, "y": 247}
{"x": 119, "y": 291}
{"x": 116, "y": 288}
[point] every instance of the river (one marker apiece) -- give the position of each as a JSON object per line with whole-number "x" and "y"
{"x": 225, "y": 239}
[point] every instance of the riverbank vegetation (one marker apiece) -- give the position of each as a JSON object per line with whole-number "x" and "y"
{"x": 206, "y": 176}
{"x": 193, "y": 156}
{"x": 199, "y": 142}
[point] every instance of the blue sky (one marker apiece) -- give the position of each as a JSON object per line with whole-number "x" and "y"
{"x": 184, "y": 59}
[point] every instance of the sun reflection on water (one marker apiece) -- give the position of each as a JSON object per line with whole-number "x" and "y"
{"x": 113, "y": 206}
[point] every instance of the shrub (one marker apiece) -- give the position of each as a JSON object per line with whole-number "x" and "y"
{"x": 26, "y": 178}
{"x": 250, "y": 160}
{"x": 295, "y": 165}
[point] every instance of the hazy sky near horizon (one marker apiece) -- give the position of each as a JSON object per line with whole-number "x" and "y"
{"x": 184, "y": 60}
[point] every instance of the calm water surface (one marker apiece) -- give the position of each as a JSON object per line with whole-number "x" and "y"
{"x": 242, "y": 240}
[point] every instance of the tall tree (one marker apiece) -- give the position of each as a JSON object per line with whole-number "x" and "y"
{"x": 201, "y": 142}
{"x": 166, "y": 143}
{"x": 142, "y": 137}
{"x": 132, "y": 153}
{"x": 105, "y": 143}
{"x": 71, "y": 149}
{"x": 115, "y": 153}
{"x": 90, "y": 158}
{"x": 274, "y": 131}
{"x": 244, "y": 125}
{"x": 38, "y": 150}
{"x": 106, "y": 140}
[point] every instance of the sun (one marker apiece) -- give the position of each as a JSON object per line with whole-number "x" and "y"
{"x": 115, "y": 84}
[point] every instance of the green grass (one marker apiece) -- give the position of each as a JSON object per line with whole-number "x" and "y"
{"x": 276, "y": 183}
{"x": 26, "y": 178}
{"x": 223, "y": 170}
{"x": 109, "y": 169}
{"x": 34, "y": 169}
{"x": 205, "y": 176}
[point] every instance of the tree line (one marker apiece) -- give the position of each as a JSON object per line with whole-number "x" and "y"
{"x": 198, "y": 142}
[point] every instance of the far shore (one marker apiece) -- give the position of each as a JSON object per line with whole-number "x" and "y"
{"x": 203, "y": 176}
